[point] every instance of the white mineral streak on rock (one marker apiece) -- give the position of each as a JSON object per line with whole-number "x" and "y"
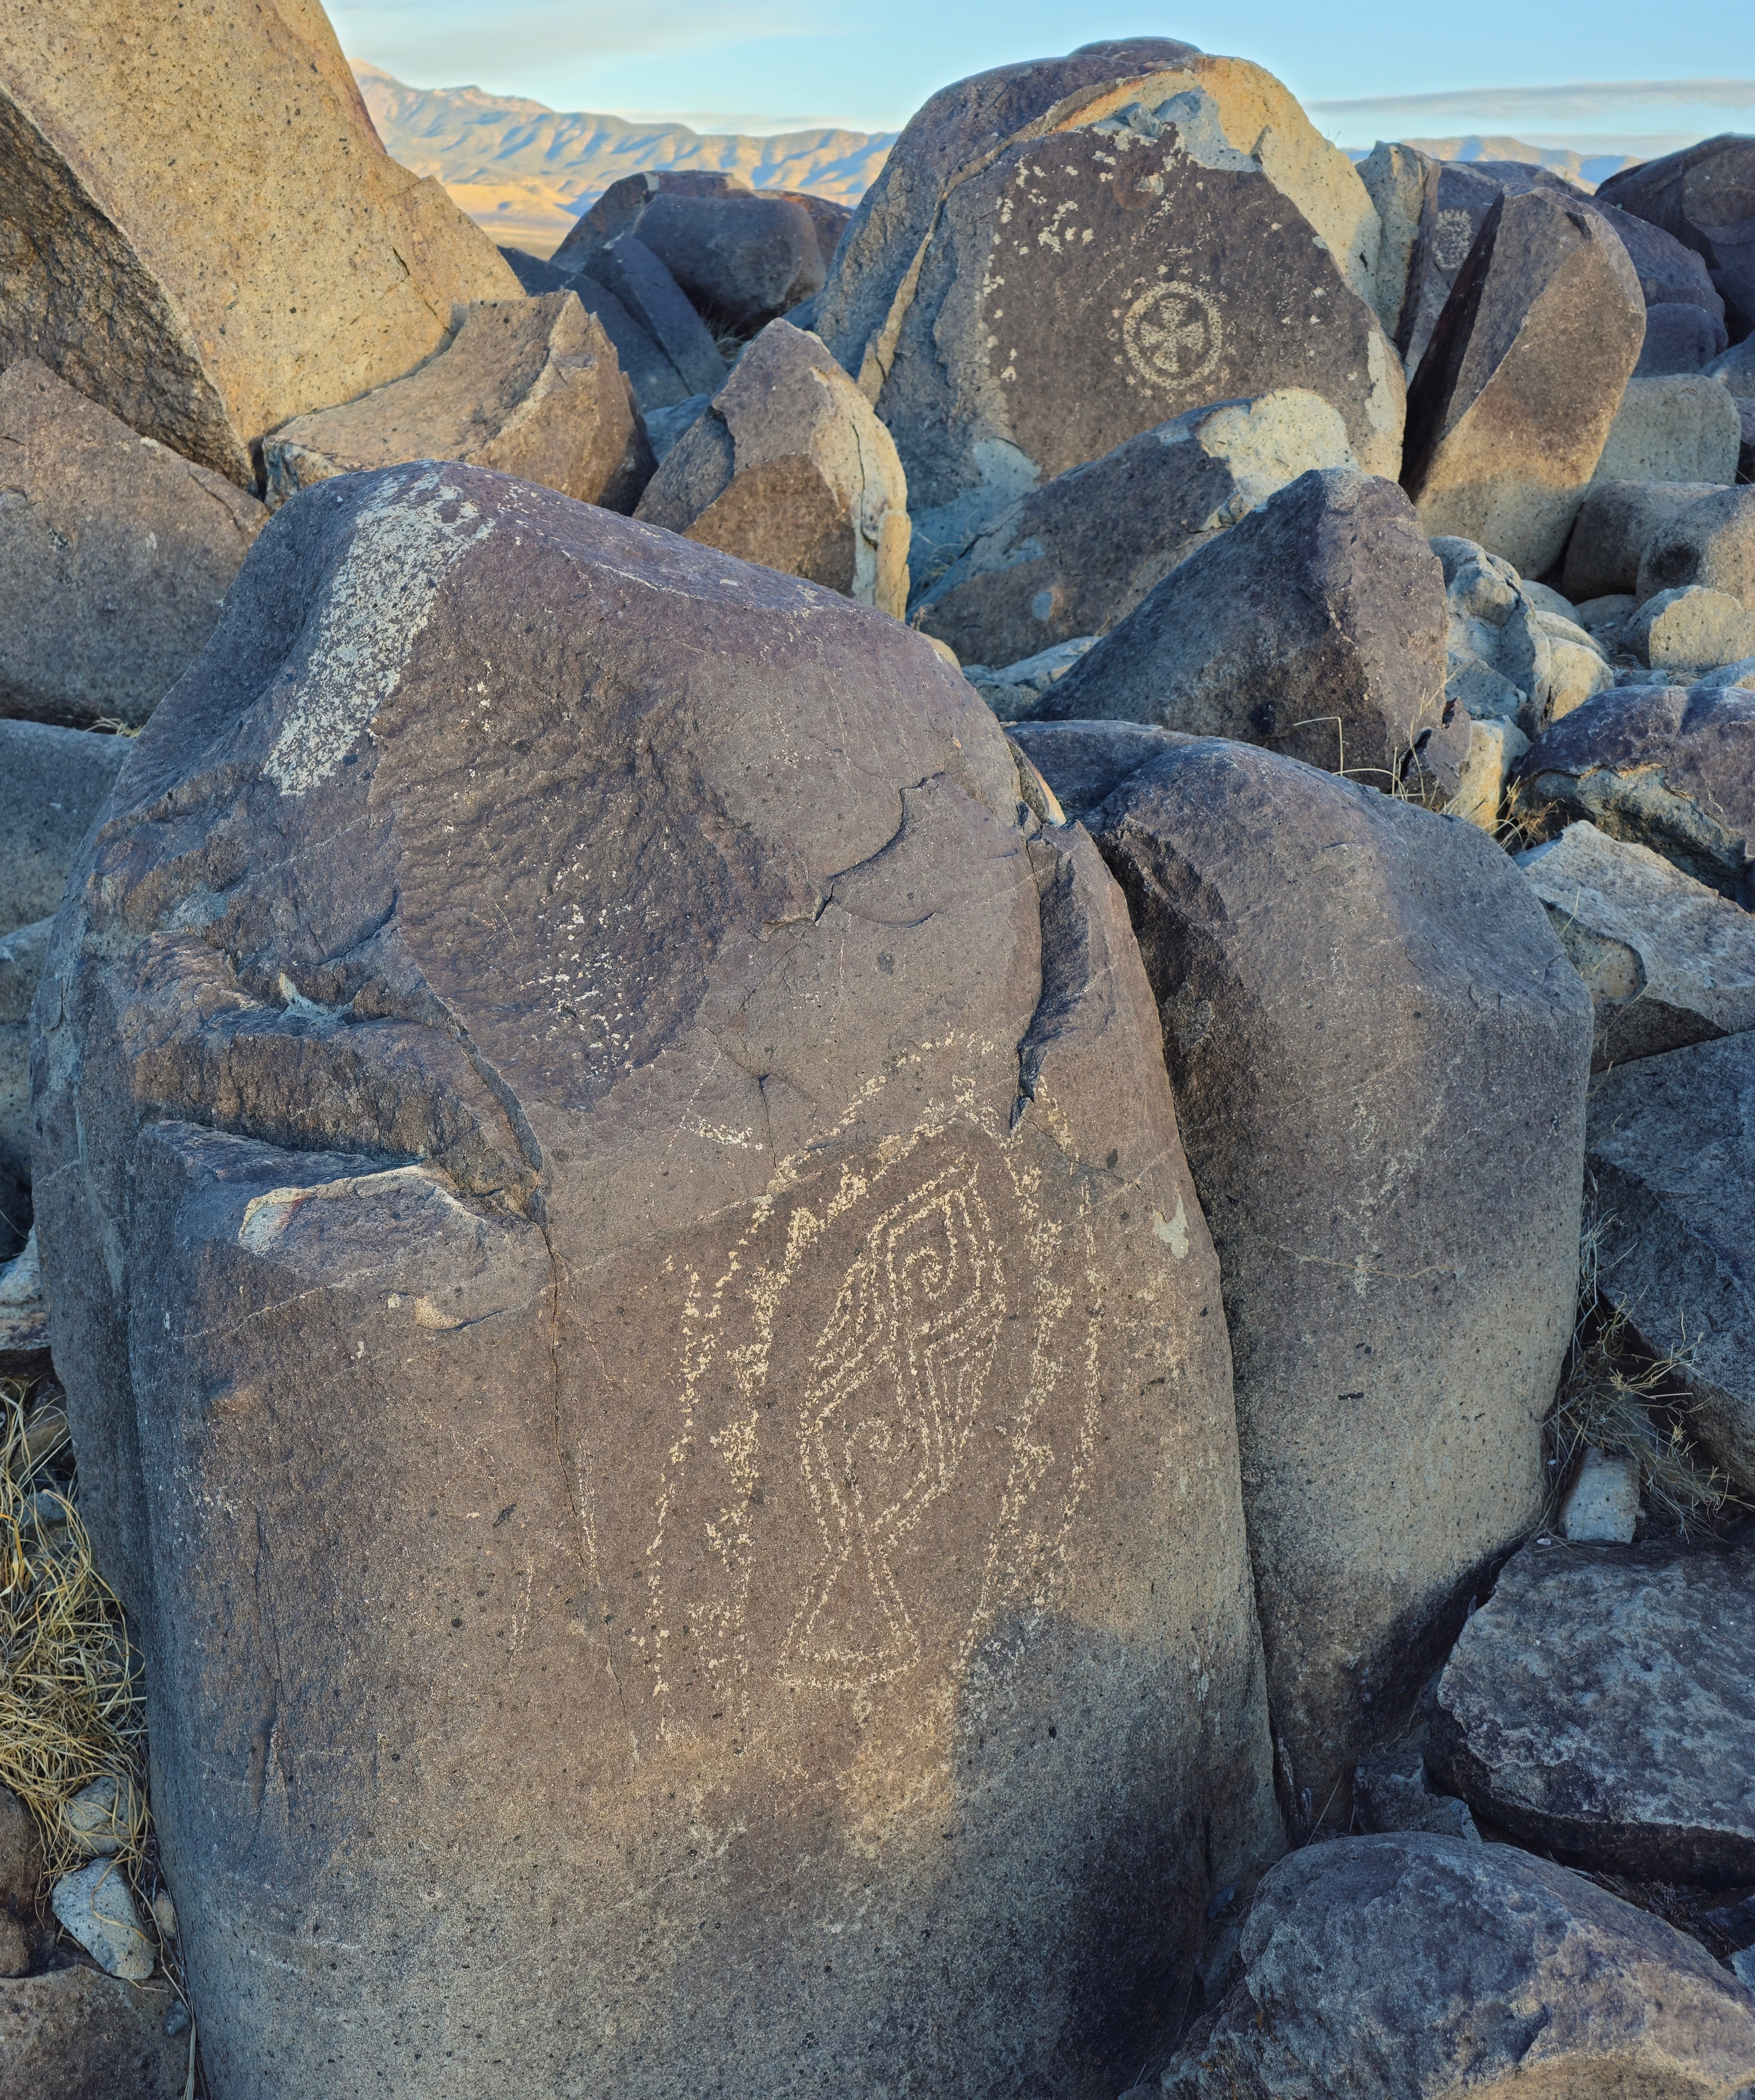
{"x": 381, "y": 600}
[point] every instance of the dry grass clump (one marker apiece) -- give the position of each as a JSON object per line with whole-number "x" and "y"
{"x": 1617, "y": 1397}
{"x": 71, "y": 1709}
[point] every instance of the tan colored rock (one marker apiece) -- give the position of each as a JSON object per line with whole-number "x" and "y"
{"x": 790, "y": 468}
{"x": 1614, "y": 524}
{"x": 115, "y": 556}
{"x": 1693, "y": 628}
{"x": 203, "y": 232}
{"x": 75, "y": 2034}
{"x": 1682, "y": 427}
{"x": 529, "y": 387}
{"x": 1494, "y": 748}
{"x": 1710, "y": 542}
{"x": 1395, "y": 177}
{"x": 1519, "y": 387}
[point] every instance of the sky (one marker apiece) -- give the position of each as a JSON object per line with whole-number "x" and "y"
{"x": 1366, "y": 70}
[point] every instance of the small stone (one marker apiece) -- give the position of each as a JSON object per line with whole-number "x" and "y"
{"x": 100, "y": 1817}
{"x": 164, "y": 1914}
{"x": 1694, "y": 628}
{"x": 1684, "y": 427}
{"x": 1602, "y": 1505}
{"x": 177, "y": 2020}
{"x": 96, "y": 1906}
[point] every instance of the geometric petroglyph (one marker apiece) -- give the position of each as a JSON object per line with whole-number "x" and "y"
{"x": 1173, "y": 335}
{"x": 1452, "y": 238}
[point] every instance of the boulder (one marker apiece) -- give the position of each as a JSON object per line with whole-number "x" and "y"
{"x": 530, "y": 387}
{"x": 1392, "y": 1790}
{"x": 75, "y": 2034}
{"x": 53, "y": 782}
{"x": 1704, "y": 197}
{"x": 646, "y": 291}
{"x": 206, "y": 280}
{"x": 1601, "y": 1703}
{"x": 1084, "y": 762}
{"x": 1316, "y": 626}
{"x": 741, "y": 259}
{"x": 1494, "y": 750}
{"x": 21, "y": 958}
{"x": 1395, "y": 177}
{"x": 621, "y": 206}
{"x": 1076, "y": 555}
{"x": 1014, "y": 689}
{"x": 1615, "y": 522}
{"x": 1664, "y": 768}
{"x": 1666, "y": 960}
{"x": 1694, "y": 628}
{"x": 1368, "y": 1022}
{"x": 1057, "y": 256}
{"x": 1669, "y": 273}
{"x": 1417, "y": 1967}
{"x": 1674, "y": 1161}
{"x": 1710, "y": 542}
{"x": 655, "y": 380}
{"x": 1679, "y": 337}
{"x": 96, "y": 1907}
{"x": 1515, "y": 396}
{"x": 115, "y": 555}
{"x": 1684, "y": 427}
{"x": 789, "y": 467}
{"x": 1513, "y": 653}
{"x": 1735, "y": 370}
{"x": 627, "y": 951}
{"x": 24, "y": 1317}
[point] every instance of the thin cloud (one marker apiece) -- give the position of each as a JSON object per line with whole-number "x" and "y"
{"x": 1578, "y": 102}
{"x": 459, "y": 38}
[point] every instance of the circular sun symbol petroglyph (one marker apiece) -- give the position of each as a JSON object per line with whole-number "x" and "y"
{"x": 1173, "y": 335}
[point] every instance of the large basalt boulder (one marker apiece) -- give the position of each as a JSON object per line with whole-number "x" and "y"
{"x": 1601, "y": 1706}
{"x": 655, "y": 380}
{"x": 115, "y": 555}
{"x": 1316, "y": 626}
{"x": 1672, "y": 1151}
{"x": 1514, "y": 398}
{"x": 1704, "y": 197}
{"x": 601, "y": 1045}
{"x": 53, "y": 782}
{"x": 1368, "y": 1024}
{"x": 743, "y": 259}
{"x": 1084, "y": 762}
{"x": 1679, "y": 337}
{"x": 644, "y": 289}
{"x": 1665, "y": 767}
{"x": 1615, "y": 523}
{"x": 1395, "y": 176}
{"x": 1666, "y": 960}
{"x": 1057, "y": 257}
{"x": 788, "y": 466}
{"x": 530, "y": 387}
{"x": 204, "y": 277}
{"x": 75, "y": 2034}
{"x": 1078, "y": 555}
{"x": 1683, "y": 426}
{"x": 1415, "y": 1967}
{"x": 1710, "y": 542}
{"x": 623, "y": 205}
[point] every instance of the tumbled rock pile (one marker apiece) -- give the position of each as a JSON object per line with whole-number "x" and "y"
{"x": 1008, "y": 1357}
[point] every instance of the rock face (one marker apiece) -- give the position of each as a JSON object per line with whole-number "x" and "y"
{"x": 1666, "y": 960}
{"x": 530, "y": 387}
{"x": 76, "y": 2034}
{"x": 1514, "y": 397}
{"x": 1601, "y": 1705}
{"x": 1694, "y": 629}
{"x": 1670, "y": 1147}
{"x": 1316, "y": 626}
{"x": 746, "y": 259}
{"x": 647, "y": 1091}
{"x": 1678, "y": 338}
{"x": 1417, "y": 1968}
{"x": 1668, "y": 769}
{"x": 1060, "y": 255}
{"x": 789, "y": 467}
{"x": 114, "y": 556}
{"x": 645, "y": 290}
{"x": 22, "y": 952}
{"x": 1710, "y": 542}
{"x": 1325, "y": 958}
{"x": 1078, "y": 555}
{"x": 1617, "y": 522}
{"x": 1084, "y": 762}
{"x": 1704, "y": 197}
{"x": 1682, "y": 428}
{"x": 53, "y": 782}
{"x": 285, "y": 263}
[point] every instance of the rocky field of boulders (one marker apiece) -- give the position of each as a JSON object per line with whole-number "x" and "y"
{"x": 877, "y": 1106}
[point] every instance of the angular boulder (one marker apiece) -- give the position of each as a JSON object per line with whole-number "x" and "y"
{"x": 648, "y": 1092}
{"x": 1704, "y": 197}
{"x": 1710, "y": 542}
{"x": 1417, "y": 1967}
{"x": 1057, "y": 257}
{"x": 1513, "y": 655}
{"x": 1671, "y": 1149}
{"x": 1666, "y": 768}
{"x": 206, "y": 279}
{"x": 1079, "y": 554}
{"x": 1615, "y": 523}
{"x": 75, "y": 2034}
{"x": 1692, "y": 630}
{"x": 1601, "y": 1705}
{"x": 742, "y": 259}
{"x": 623, "y": 205}
{"x": 530, "y": 387}
{"x": 53, "y": 782}
{"x": 22, "y": 953}
{"x": 1369, "y": 1022}
{"x": 1514, "y": 398}
{"x": 1679, "y": 337}
{"x": 1084, "y": 762}
{"x": 115, "y": 556}
{"x": 789, "y": 467}
{"x": 1735, "y": 369}
{"x": 1666, "y": 960}
{"x": 645, "y": 290}
{"x": 1681, "y": 427}
{"x": 1395, "y": 176}
{"x": 1316, "y": 626}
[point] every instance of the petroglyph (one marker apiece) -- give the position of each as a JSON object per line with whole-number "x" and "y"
{"x": 1172, "y": 334}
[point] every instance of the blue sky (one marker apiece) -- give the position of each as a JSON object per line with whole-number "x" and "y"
{"x": 766, "y": 64}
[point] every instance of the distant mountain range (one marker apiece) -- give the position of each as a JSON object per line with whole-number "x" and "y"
{"x": 525, "y": 172}
{"x": 1586, "y": 169}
